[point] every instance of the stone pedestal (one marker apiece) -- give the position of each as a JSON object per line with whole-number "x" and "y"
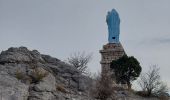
{"x": 110, "y": 52}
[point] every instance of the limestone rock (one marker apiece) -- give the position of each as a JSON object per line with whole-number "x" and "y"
{"x": 47, "y": 84}
{"x": 18, "y": 82}
{"x": 11, "y": 88}
{"x": 41, "y": 96}
{"x": 21, "y": 54}
{"x": 50, "y": 59}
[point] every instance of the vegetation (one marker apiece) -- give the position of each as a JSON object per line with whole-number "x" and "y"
{"x": 151, "y": 83}
{"x": 61, "y": 88}
{"x": 80, "y": 61}
{"x": 19, "y": 74}
{"x": 38, "y": 74}
{"x": 103, "y": 87}
{"x": 126, "y": 69}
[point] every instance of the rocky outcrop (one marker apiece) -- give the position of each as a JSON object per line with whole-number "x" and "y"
{"x": 29, "y": 75}
{"x": 18, "y": 55}
{"x": 11, "y": 88}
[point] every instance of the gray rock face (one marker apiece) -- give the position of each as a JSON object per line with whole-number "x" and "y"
{"x": 11, "y": 88}
{"x": 21, "y": 54}
{"x": 29, "y": 75}
{"x": 50, "y": 59}
{"x": 18, "y": 74}
{"x": 42, "y": 96}
{"x": 46, "y": 85}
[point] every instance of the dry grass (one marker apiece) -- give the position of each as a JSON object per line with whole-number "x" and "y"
{"x": 103, "y": 88}
{"x": 19, "y": 74}
{"x": 38, "y": 74}
{"x": 61, "y": 88}
{"x": 163, "y": 97}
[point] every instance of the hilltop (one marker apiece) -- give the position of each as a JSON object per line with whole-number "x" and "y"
{"x": 29, "y": 75}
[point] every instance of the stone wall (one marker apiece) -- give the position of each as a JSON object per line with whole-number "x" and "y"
{"x": 110, "y": 52}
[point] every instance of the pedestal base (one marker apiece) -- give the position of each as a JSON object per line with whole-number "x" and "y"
{"x": 110, "y": 52}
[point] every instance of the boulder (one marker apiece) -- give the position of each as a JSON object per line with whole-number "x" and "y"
{"x": 47, "y": 84}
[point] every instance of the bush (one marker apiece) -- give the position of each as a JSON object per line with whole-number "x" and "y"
{"x": 126, "y": 69}
{"x": 38, "y": 74}
{"x": 103, "y": 88}
{"x": 19, "y": 74}
{"x": 151, "y": 83}
{"x": 80, "y": 61}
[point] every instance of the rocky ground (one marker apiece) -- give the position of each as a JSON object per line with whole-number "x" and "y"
{"x": 29, "y": 75}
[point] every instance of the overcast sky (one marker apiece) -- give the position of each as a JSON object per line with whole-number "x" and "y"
{"x": 60, "y": 27}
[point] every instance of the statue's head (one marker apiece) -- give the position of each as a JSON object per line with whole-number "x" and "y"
{"x": 113, "y": 11}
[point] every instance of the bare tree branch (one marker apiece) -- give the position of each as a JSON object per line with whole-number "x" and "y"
{"x": 150, "y": 82}
{"x": 80, "y": 61}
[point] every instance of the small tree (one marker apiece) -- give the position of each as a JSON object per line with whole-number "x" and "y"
{"x": 126, "y": 69}
{"x": 151, "y": 84}
{"x": 80, "y": 61}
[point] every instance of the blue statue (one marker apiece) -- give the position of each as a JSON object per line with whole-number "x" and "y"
{"x": 113, "y": 22}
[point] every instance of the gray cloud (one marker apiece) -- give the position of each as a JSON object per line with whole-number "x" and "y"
{"x": 153, "y": 41}
{"x": 161, "y": 40}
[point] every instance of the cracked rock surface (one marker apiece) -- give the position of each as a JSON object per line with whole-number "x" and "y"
{"x": 28, "y": 75}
